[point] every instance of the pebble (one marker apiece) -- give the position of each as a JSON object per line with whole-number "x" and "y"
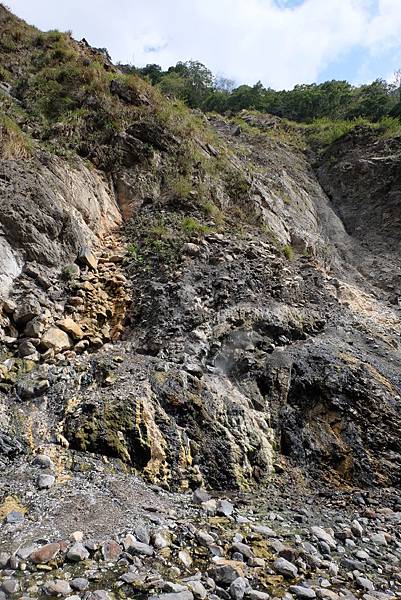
{"x": 45, "y": 554}
{"x": 226, "y": 572}
{"x": 256, "y": 562}
{"x": 323, "y": 536}
{"x": 142, "y": 534}
{"x": 169, "y": 586}
{"x": 200, "y": 496}
{"x": 45, "y": 481}
{"x": 58, "y": 586}
{"x": 356, "y": 528}
{"x": 326, "y": 594}
{"x": 364, "y": 583}
{"x": 197, "y": 588}
{"x": 77, "y": 552}
{"x": 98, "y": 595}
{"x": 15, "y": 517}
{"x": 284, "y": 567}
{"x": 185, "y": 558}
{"x": 160, "y": 541}
{"x": 256, "y": 595}
{"x": 379, "y": 538}
{"x": 302, "y": 592}
{"x": 205, "y": 539}
{"x": 266, "y": 531}
{"x": 186, "y": 595}
{"x": 243, "y": 549}
{"x": 210, "y": 507}
{"x": 131, "y": 544}
{"x": 44, "y": 461}
{"x": 238, "y": 588}
{"x": 80, "y": 584}
{"x": 10, "y": 586}
{"x": 225, "y": 508}
{"x": 111, "y": 551}
{"x": 4, "y": 558}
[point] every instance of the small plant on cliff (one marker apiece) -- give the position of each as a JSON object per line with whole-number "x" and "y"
{"x": 69, "y": 272}
{"x": 191, "y": 225}
{"x": 179, "y": 186}
{"x": 134, "y": 253}
{"x": 213, "y": 211}
{"x": 288, "y": 252}
{"x": 237, "y": 185}
{"x": 326, "y": 131}
{"x": 14, "y": 143}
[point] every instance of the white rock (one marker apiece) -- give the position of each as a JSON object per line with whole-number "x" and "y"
{"x": 46, "y": 481}
{"x": 322, "y": 535}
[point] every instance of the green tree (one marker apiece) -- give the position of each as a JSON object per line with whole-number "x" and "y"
{"x": 372, "y": 101}
{"x": 152, "y": 72}
{"x": 200, "y": 83}
{"x": 190, "y": 81}
{"x": 174, "y": 85}
{"x": 247, "y": 97}
{"x": 217, "y": 101}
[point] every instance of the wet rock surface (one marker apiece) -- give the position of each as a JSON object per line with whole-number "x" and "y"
{"x": 293, "y": 547}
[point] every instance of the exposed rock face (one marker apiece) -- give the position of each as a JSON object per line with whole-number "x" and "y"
{"x": 256, "y": 330}
{"x": 361, "y": 174}
{"x": 50, "y": 210}
{"x": 173, "y": 426}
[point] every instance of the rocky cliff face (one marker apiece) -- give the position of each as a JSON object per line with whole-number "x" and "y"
{"x": 191, "y": 300}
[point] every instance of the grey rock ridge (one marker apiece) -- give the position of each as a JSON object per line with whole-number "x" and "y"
{"x": 50, "y": 210}
{"x": 191, "y": 305}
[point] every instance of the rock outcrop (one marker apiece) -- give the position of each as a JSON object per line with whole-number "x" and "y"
{"x": 252, "y": 298}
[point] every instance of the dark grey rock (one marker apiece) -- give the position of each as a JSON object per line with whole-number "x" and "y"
{"x": 284, "y": 567}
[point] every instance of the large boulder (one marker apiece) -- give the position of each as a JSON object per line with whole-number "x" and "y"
{"x": 56, "y": 339}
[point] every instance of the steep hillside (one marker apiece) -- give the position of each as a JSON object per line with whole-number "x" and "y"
{"x": 260, "y": 319}
{"x": 196, "y": 300}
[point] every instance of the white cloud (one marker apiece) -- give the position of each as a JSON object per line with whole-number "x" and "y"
{"x": 244, "y": 39}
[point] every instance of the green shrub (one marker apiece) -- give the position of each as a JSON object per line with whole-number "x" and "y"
{"x": 237, "y": 185}
{"x": 191, "y": 225}
{"x": 180, "y": 187}
{"x": 133, "y": 251}
{"x": 213, "y": 211}
{"x": 389, "y": 126}
{"x": 288, "y": 252}
{"x": 70, "y": 272}
{"x": 326, "y": 131}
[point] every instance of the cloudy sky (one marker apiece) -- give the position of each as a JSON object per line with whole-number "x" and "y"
{"x": 280, "y": 42}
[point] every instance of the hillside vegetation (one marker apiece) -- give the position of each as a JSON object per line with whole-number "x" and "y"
{"x": 194, "y": 83}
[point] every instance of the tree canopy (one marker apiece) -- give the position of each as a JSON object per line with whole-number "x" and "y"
{"x": 196, "y": 85}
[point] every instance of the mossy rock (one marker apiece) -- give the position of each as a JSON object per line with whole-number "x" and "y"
{"x": 113, "y": 429}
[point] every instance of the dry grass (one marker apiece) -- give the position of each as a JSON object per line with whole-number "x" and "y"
{"x": 13, "y": 142}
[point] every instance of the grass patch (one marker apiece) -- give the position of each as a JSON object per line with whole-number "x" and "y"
{"x": 179, "y": 186}
{"x": 213, "y": 212}
{"x": 389, "y": 127}
{"x": 236, "y": 184}
{"x": 288, "y": 252}
{"x": 191, "y": 225}
{"x": 14, "y": 143}
{"x": 325, "y": 131}
{"x": 268, "y": 231}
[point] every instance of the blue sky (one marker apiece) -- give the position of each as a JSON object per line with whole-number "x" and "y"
{"x": 280, "y": 42}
